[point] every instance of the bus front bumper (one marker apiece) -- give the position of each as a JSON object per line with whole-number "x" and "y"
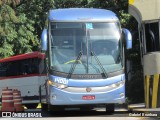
{"x": 65, "y": 97}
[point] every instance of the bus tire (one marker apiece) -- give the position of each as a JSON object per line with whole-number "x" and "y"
{"x": 44, "y": 107}
{"x": 31, "y": 106}
{"x": 110, "y": 108}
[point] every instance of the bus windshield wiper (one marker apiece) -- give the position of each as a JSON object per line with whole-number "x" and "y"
{"x": 99, "y": 63}
{"x": 74, "y": 65}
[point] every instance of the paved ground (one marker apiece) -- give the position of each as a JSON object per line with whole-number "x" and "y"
{"x": 137, "y": 112}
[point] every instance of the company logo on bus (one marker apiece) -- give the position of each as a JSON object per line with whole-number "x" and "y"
{"x": 88, "y": 89}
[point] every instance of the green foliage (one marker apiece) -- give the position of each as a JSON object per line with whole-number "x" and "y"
{"x": 36, "y": 10}
{"x": 108, "y": 4}
{"x": 124, "y": 18}
{"x": 12, "y": 3}
{"x": 21, "y": 23}
{"x": 70, "y": 3}
{"x": 135, "y": 87}
{"x": 16, "y": 32}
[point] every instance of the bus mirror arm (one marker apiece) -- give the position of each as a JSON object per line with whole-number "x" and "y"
{"x": 127, "y": 37}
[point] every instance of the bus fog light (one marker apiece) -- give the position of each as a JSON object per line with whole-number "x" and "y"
{"x": 53, "y": 96}
{"x": 122, "y": 95}
{"x": 61, "y": 86}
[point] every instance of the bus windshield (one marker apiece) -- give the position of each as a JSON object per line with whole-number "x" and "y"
{"x": 75, "y": 43}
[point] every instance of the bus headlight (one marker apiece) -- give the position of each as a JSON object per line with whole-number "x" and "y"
{"x": 57, "y": 85}
{"x": 118, "y": 84}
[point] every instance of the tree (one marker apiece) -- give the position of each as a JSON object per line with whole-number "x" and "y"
{"x": 70, "y": 3}
{"x": 36, "y": 10}
{"x": 21, "y": 24}
{"x": 16, "y": 32}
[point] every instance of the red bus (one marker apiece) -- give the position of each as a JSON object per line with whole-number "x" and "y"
{"x": 25, "y": 72}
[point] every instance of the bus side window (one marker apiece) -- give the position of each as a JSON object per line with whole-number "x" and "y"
{"x": 12, "y": 69}
{"x": 3, "y": 68}
{"x": 34, "y": 65}
{"x": 23, "y": 67}
{"x": 27, "y": 69}
{"x": 42, "y": 66}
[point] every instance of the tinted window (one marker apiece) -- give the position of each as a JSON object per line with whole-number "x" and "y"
{"x": 152, "y": 37}
{"x": 21, "y": 67}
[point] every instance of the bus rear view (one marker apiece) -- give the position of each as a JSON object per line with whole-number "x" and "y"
{"x": 85, "y": 59}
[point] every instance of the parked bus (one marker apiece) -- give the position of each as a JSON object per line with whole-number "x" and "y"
{"x": 147, "y": 13}
{"x": 85, "y": 51}
{"x": 24, "y": 72}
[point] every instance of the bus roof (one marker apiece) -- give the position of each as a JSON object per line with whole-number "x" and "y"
{"x": 24, "y": 56}
{"x": 82, "y": 15}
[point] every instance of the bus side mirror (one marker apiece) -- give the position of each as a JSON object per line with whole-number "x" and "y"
{"x": 44, "y": 40}
{"x": 127, "y": 37}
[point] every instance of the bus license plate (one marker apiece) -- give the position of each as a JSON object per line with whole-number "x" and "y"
{"x": 88, "y": 97}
